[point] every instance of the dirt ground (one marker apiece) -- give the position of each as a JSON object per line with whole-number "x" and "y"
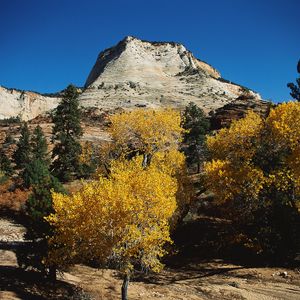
{"x": 213, "y": 279}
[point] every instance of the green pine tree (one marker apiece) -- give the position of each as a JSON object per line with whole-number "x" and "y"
{"x": 39, "y": 204}
{"x": 197, "y": 126}
{"x": 39, "y": 146}
{"x": 295, "y": 88}
{"x": 5, "y": 164}
{"x": 66, "y": 133}
{"x": 38, "y": 152}
{"x": 22, "y": 154}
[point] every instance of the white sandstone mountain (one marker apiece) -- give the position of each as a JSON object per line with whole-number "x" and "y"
{"x": 24, "y": 104}
{"x": 155, "y": 74}
{"x": 137, "y": 73}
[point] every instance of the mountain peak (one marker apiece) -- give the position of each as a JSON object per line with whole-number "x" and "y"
{"x": 136, "y": 72}
{"x": 129, "y": 38}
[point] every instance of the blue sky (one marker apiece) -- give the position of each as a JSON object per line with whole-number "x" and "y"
{"x": 45, "y": 45}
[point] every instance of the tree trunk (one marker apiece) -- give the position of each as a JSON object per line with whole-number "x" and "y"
{"x": 146, "y": 160}
{"x": 52, "y": 273}
{"x": 125, "y": 286}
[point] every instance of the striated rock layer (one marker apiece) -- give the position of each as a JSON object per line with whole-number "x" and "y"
{"x": 155, "y": 74}
{"x": 237, "y": 109}
{"x": 137, "y": 73}
{"x": 23, "y": 104}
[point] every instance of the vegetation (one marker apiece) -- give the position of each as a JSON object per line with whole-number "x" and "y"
{"x": 125, "y": 218}
{"x": 39, "y": 204}
{"x": 154, "y": 135}
{"x": 37, "y": 155}
{"x": 145, "y": 132}
{"x": 118, "y": 218}
{"x": 255, "y": 171}
{"x": 11, "y": 120}
{"x": 8, "y": 139}
{"x": 66, "y": 133}
{"x": 197, "y": 126}
{"x": 22, "y": 155}
{"x": 5, "y": 164}
{"x": 87, "y": 159}
{"x": 295, "y": 88}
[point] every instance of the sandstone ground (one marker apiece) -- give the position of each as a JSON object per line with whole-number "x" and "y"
{"x": 211, "y": 279}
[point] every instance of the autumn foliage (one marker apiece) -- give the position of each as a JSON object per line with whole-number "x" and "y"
{"x": 255, "y": 171}
{"x": 125, "y": 216}
{"x": 118, "y": 218}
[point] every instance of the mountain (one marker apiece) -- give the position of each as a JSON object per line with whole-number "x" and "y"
{"x": 24, "y": 104}
{"x": 137, "y": 73}
{"x": 156, "y": 74}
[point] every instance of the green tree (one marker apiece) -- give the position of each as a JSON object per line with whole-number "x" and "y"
{"x": 38, "y": 206}
{"x": 197, "y": 126}
{"x": 5, "y": 164}
{"x": 66, "y": 133}
{"x": 39, "y": 146}
{"x": 295, "y": 88}
{"x": 38, "y": 152}
{"x": 22, "y": 154}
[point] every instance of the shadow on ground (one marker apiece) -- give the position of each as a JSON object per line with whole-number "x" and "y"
{"x": 30, "y": 285}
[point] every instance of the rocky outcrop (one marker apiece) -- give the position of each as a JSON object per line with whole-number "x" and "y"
{"x": 26, "y": 105}
{"x": 238, "y": 109}
{"x": 137, "y": 73}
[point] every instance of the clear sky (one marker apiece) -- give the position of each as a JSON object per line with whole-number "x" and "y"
{"x": 45, "y": 45}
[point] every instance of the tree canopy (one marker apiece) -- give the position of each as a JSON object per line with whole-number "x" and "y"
{"x": 255, "y": 166}
{"x": 196, "y": 127}
{"x": 66, "y": 133}
{"x": 295, "y": 88}
{"x": 119, "y": 217}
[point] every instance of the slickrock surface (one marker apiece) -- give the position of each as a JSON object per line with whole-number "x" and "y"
{"x": 26, "y": 105}
{"x": 138, "y": 73}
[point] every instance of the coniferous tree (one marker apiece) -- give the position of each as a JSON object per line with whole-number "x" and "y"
{"x": 39, "y": 204}
{"x": 5, "y": 164}
{"x": 22, "y": 154}
{"x": 295, "y": 88}
{"x": 66, "y": 133}
{"x": 38, "y": 153}
{"x": 39, "y": 146}
{"x": 197, "y": 126}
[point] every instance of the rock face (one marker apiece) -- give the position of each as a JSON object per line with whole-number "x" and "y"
{"x": 155, "y": 74}
{"x": 26, "y": 105}
{"x": 238, "y": 109}
{"x": 137, "y": 73}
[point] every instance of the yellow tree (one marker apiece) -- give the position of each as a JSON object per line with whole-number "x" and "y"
{"x": 145, "y": 132}
{"x": 156, "y": 135}
{"x": 123, "y": 218}
{"x": 232, "y": 172}
{"x": 126, "y": 215}
{"x": 255, "y": 164}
